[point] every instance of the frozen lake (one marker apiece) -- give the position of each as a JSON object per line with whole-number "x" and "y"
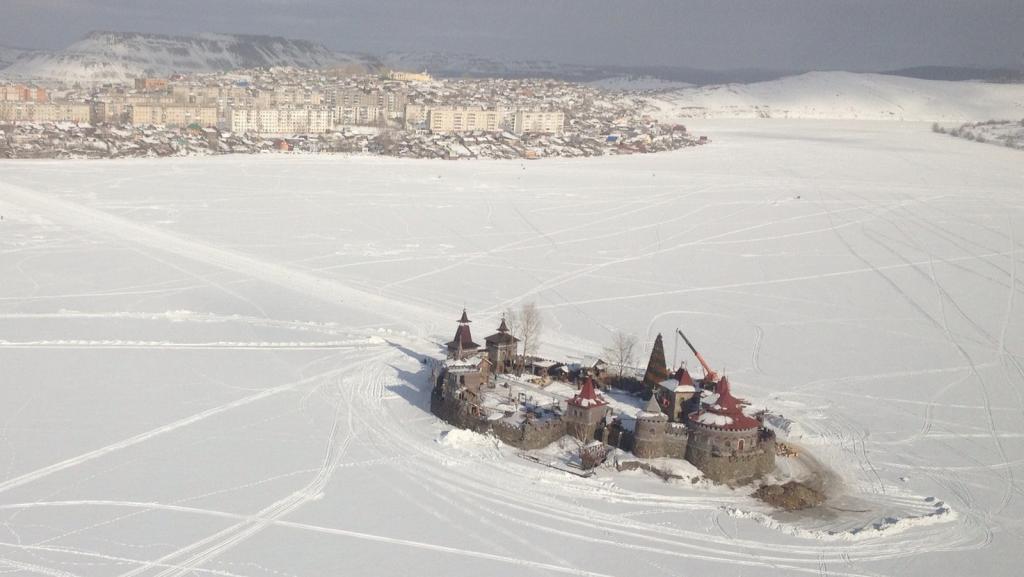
{"x": 211, "y": 366}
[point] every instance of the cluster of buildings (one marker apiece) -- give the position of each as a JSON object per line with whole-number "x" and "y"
{"x": 694, "y": 419}
{"x": 400, "y": 114}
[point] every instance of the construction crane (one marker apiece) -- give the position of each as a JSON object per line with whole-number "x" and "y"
{"x": 709, "y": 373}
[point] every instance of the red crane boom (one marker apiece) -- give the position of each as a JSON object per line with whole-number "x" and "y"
{"x": 709, "y": 373}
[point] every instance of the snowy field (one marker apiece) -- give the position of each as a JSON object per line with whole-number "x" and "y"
{"x": 213, "y": 366}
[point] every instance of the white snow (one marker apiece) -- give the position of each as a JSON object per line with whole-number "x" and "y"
{"x": 706, "y": 418}
{"x": 844, "y": 95}
{"x": 213, "y": 366}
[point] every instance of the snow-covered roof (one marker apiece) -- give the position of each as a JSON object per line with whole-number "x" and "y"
{"x": 714, "y": 419}
{"x": 587, "y": 397}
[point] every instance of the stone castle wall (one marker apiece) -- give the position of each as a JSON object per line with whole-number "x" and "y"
{"x": 527, "y": 436}
{"x": 739, "y": 469}
{"x": 715, "y": 452}
{"x": 705, "y": 447}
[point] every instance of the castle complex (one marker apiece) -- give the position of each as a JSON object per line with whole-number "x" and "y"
{"x": 698, "y": 420}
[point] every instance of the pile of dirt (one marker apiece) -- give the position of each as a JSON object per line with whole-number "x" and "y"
{"x": 791, "y": 496}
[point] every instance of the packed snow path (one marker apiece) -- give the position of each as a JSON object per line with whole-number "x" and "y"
{"x": 213, "y": 366}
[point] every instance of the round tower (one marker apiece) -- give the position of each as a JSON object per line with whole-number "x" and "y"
{"x": 649, "y": 432}
{"x": 727, "y": 445}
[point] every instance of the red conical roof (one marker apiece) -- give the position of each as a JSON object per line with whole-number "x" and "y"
{"x": 728, "y": 406}
{"x": 684, "y": 378}
{"x": 464, "y": 319}
{"x": 587, "y": 396}
{"x": 463, "y": 339}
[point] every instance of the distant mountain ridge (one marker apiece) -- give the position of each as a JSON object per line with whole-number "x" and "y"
{"x": 121, "y": 56}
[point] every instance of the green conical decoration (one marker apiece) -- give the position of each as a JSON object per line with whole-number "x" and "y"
{"x": 657, "y": 370}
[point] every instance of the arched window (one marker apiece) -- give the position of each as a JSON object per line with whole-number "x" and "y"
{"x": 741, "y": 445}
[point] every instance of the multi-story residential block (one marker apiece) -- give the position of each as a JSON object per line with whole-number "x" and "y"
{"x": 415, "y": 115}
{"x": 23, "y": 93}
{"x": 281, "y": 120}
{"x": 151, "y": 84}
{"x": 358, "y": 115}
{"x": 463, "y": 119}
{"x": 53, "y": 111}
{"x": 538, "y": 122}
{"x": 174, "y": 115}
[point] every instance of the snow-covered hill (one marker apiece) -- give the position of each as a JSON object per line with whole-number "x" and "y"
{"x": 117, "y": 56}
{"x": 8, "y": 55}
{"x": 845, "y": 95}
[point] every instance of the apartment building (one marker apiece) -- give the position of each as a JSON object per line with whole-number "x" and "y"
{"x": 358, "y": 115}
{"x": 463, "y": 119}
{"x": 281, "y": 120}
{"x": 22, "y": 93}
{"x": 173, "y": 115}
{"x": 53, "y": 111}
{"x": 538, "y": 122}
{"x": 150, "y": 84}
{"x": 389, "y": 103}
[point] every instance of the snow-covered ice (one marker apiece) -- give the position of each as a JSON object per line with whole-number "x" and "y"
{"x": 214, "y": 366}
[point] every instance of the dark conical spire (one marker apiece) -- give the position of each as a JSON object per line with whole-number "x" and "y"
{"x": 652, "y": 405}
{"x": 657, "y": 370}
{"x": 504, "y": 327}
{"x": 465, "y": 318}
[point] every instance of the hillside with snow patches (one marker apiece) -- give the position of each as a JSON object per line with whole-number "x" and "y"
{"x": 117, "y": 56}
{"x": 843, "y": 96}
{"x": 8, "y": 55}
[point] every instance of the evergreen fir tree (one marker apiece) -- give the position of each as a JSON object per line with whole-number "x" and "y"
{"x": 657, "y": 370}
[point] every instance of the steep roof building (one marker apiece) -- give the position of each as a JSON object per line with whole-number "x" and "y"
{"x": 462, "y": 345}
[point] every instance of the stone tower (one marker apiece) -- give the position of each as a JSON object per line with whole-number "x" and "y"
{"x": 727, "y": 445}
{"x": 657, "y": 370}
{"x": 649, "y": 433}
{"x": 584, "y": 412}
{"x": 502, "y": 349}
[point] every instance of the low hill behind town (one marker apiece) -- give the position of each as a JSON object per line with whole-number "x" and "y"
{"x": 845, "y": 95}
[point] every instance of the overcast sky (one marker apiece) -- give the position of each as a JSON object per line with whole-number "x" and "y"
{"x": 714, "y": 34}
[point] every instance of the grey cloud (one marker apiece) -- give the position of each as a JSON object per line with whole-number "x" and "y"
{"x": 719, "y": 34}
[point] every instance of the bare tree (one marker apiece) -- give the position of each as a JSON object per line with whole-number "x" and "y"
{"x": 622, "y": 351}
{"x": 526, "y": 324}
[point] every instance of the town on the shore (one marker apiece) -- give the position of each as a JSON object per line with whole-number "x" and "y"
{"x": 395, "y": 113}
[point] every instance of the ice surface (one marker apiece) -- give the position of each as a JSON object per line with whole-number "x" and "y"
{"x": 214, "y": 366}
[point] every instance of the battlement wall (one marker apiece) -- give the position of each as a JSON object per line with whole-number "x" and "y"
{"x": 737, "y": 468}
